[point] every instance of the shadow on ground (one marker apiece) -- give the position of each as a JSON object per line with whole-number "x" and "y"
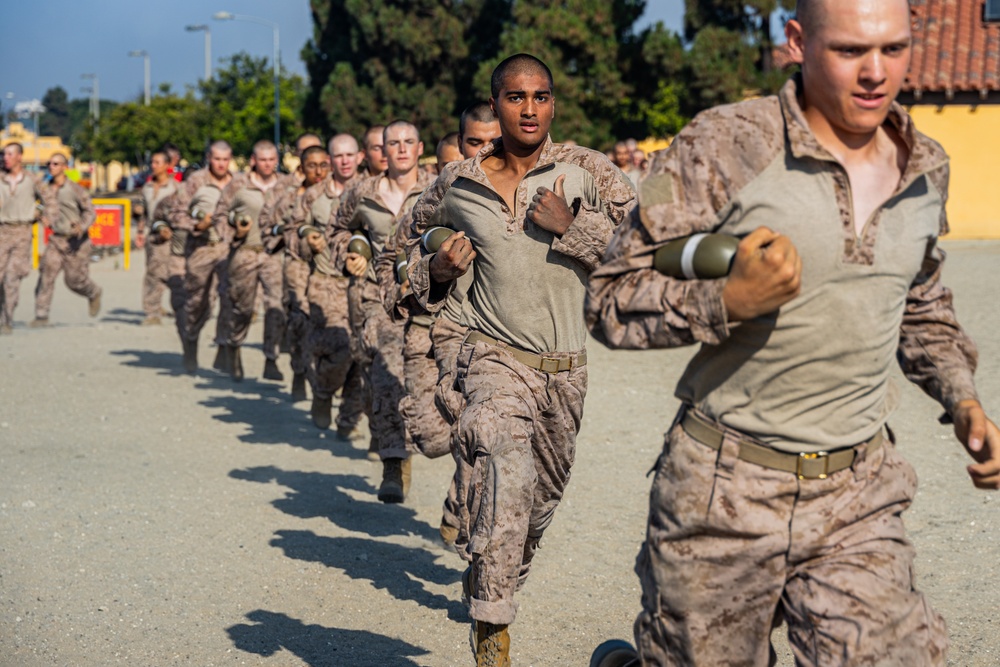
{"x": 394, "y": 568}
{"x": 269, "y": 632}
{"x": 322, "y": 495}
{"x": 126, "y": 316}
{"x": 267, "y": 410}
{"x": 167, "y": 363}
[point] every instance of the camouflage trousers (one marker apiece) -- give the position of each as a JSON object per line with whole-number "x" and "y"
{"x": 446, "y": 339}
{"x": 72, "y": 256}
{"x": 161, "y": 275}
{"x": 295, "y": 282}
{"x": 330, "y": 364}
{"x": 15, "y": 264}
{"x": 248, "y": 268}
{"x": 379, "y": 353}
{"x": 733, "y": 548}
{"x": 425, "y": 425}
{"x": 207, "y": 274}
{"x": 519, "y": 430}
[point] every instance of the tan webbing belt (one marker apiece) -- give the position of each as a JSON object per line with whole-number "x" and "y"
{"x": 539, "y": 362}
{"x": 818, "y": 465}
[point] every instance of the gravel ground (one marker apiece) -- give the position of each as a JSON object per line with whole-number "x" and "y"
{"x": 153, "y": 518}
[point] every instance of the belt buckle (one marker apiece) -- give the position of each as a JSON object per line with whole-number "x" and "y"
{"x": 549, "y": 365}
{"x": 806, "y": 456}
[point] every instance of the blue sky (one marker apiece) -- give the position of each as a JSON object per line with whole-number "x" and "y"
{"x": 52, "y": 42}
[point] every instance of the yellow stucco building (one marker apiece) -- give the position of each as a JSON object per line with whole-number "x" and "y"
{"x": 953, "y": 93}
{"x": 37, "y": 150}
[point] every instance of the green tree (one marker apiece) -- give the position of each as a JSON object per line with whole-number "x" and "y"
{"x": 56, "y": 119}
{"x": 591, "y": 49}
{"x": 130, "y": 131}
{"x": 238, "y": 104}
{"x": 731, "y": 48}
{"x": 371, "y": 61}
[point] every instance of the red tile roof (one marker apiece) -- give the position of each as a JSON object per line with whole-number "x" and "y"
{"x": 953, "y": 50}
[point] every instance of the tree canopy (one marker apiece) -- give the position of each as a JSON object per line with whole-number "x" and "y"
{"x": 425, "y": 60}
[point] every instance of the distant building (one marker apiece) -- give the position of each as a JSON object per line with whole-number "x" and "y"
{"x": 953, "y": 93}
{"x": 43, "y": 147}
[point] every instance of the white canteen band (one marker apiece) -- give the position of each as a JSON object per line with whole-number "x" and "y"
{"x": 687, "y": 256}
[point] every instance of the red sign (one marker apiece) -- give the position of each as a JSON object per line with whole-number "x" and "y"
{"x": 107, "y": 228}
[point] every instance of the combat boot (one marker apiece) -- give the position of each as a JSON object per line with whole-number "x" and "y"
{"x": 94, "y": 304}
{"x": 236, "y": 363}
{"x": 222, "y": 362}
{"x": 614, "y": 653}
{"x": 407, "y": 469}
{"x": 391, "y": 490}
{"x": 492, "y": 644}
{"x": 299, "y": 387}
{"x": 271, "y": 371}
{"x": 320, "y": 412}
{"x": 190, "y": 355}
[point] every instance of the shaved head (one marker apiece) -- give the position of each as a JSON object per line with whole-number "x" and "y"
{"x": 810, "y": 13}
{"x": 522, "y": 63}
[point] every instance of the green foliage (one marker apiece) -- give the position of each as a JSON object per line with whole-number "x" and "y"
{"x": 237, "y": 106}
{"x": 131, "y": 131}
{"x": 586, "y": 44}
{"x": 372, "y": 61}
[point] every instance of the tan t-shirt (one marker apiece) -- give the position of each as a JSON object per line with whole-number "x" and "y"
{"x": 528, "y": 284}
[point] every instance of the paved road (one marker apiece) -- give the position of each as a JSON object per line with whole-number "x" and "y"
{"x": 152, "y": 518}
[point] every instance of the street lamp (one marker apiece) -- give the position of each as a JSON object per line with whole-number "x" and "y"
{"x": 228, "y": 16}
{"x": 208, "y": 46}
{"x": 95, "y": 97}
{"x": 145, "y": 57}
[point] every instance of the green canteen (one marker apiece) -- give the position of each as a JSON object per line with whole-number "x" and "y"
{"x": 401, "y": 267}
{"x": 359, "y": 245}
{"x": 697, "y": 257}
{"x": 305, "y": 230}
{"x": 434, "y": 237}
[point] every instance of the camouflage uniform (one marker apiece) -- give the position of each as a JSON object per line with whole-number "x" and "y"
{"x": 733, "y": 545}
{"x": 330, "y": 365}
{"x": 17, "y": 213}
{"x": 206, "y": 256}
{"x": 67, "y": 251}
{"x": 426, "y": 425}
{"x": 446, "y": 340}
{"x": 159, "y": 266}
{"x": 249, "y": 264}
{"x": 380, "y": 340}
{"x": 523, "y": 374}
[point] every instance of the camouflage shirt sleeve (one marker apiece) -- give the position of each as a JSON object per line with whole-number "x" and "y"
{"x": 398, "y": 302}
{"x": 179, "y": 215}
{"x": 427, "y": 212}
{"x": 48, "y": 198}
{"x": 934, "y": 351}
{"x": 341, "y": 225}
{"x": 220, "y": 218}
{"x": 587, "y": 238}
{"x": 687, "y": 190}
{"x": 87, "y": 213}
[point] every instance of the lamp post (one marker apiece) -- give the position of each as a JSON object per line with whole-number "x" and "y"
{"x": 95, "y": 96}
{"x": 208, "y": 46}
{"x": 227, "y": 16}
{"x": 145, "y": 57}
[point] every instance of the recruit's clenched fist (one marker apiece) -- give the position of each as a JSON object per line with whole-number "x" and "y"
{"x": 766, "y": 274}
{"x": 452, "y": 259}
{"x": 355, "y": 264}
{"x": 548, "y": 208}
